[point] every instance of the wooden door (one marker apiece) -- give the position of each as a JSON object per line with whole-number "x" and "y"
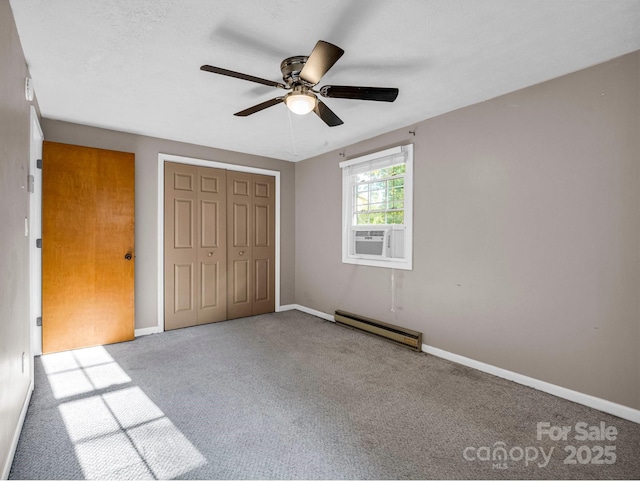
{"x": 87, "y": 247}
{"x": 195, "y": 245}
{"x": 251, "y": 244}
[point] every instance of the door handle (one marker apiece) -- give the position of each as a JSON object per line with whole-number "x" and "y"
{"x": 128, "y": 256}
{"x": 241, "y": 253}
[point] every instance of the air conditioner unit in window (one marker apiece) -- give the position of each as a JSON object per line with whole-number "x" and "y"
{"x": 384, "y": 242}
{"x": 370, "y": 242}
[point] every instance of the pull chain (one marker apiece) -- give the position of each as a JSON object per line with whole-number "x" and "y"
{"x": 293, "y": 138}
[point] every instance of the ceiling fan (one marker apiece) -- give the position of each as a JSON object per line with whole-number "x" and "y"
{"x": 300, "y": 75}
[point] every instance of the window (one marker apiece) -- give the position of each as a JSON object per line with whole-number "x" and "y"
{"x": 377, "y": 203}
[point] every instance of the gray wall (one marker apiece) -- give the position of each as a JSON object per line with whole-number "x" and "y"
{"x": 14, "y": 246}
{"x": 526, "y": 233}
{"x": 146, "y": 150}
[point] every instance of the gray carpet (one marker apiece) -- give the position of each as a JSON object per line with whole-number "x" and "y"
{"x": 291, "y": 396}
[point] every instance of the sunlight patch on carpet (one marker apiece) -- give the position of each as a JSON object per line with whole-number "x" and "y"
{"x": 82, "y": 371}
{"x": 116, "y": 430}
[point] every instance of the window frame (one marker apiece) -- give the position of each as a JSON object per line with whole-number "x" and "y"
{"x": 348, "y": 226}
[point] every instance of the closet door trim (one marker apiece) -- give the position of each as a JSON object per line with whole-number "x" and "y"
{"x": 162, "y": 158}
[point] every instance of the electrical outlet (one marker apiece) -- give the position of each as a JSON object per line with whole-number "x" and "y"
{"x": 26, "y": 227}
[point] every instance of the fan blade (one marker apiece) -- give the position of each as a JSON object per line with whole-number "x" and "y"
{"x": 242, "y": 76}
{"x": 381, "y": 94}
{"x": 259, "y": 107}
{"x": 322, "y": 58}
{"x": 327, "y": 115}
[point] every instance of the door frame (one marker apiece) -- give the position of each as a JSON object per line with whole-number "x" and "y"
{"x": 36, "y": 138}
{"x": 162, "y": 158}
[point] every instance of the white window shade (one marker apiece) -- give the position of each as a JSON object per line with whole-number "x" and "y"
{"x": 389, "y": 158}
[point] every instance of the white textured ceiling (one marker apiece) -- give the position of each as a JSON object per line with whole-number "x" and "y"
{"x": 133, "y": 65}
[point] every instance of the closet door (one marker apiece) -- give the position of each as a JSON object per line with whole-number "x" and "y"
{"x": 195, "y": 250}
{"x": 264, "y": 244}
{"x": 212, "y": 245}
{"x": 239, "y": 237}
{"x": 179, "y": 246}
{"x": 251, "y": 244}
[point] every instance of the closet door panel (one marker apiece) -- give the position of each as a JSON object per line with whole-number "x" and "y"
{"x": 212, "y": 244}
{"x": 181, "y": 281}
{"x": 195, "y": 245}
{"x": 263, "y": 244}
{"x": 239, "y": 235}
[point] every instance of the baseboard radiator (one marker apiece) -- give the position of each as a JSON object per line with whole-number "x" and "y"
{"x": 400, "y": 335}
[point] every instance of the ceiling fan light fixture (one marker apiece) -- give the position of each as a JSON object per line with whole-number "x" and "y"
{"x": 300, "y": 75}
{"x": 300, "y": 103}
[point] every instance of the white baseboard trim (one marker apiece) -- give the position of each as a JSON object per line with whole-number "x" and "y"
{"x": 600, "y": 404}
{"x": 287, "y": 307}
{"x": 16, "y": 435}
{"x": 624, "y": 412}
{"x": 145, "y": 331}
{"x": 308, "y": 310}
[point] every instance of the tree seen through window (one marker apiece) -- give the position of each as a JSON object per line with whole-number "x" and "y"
{"x": 379, "y": 196}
